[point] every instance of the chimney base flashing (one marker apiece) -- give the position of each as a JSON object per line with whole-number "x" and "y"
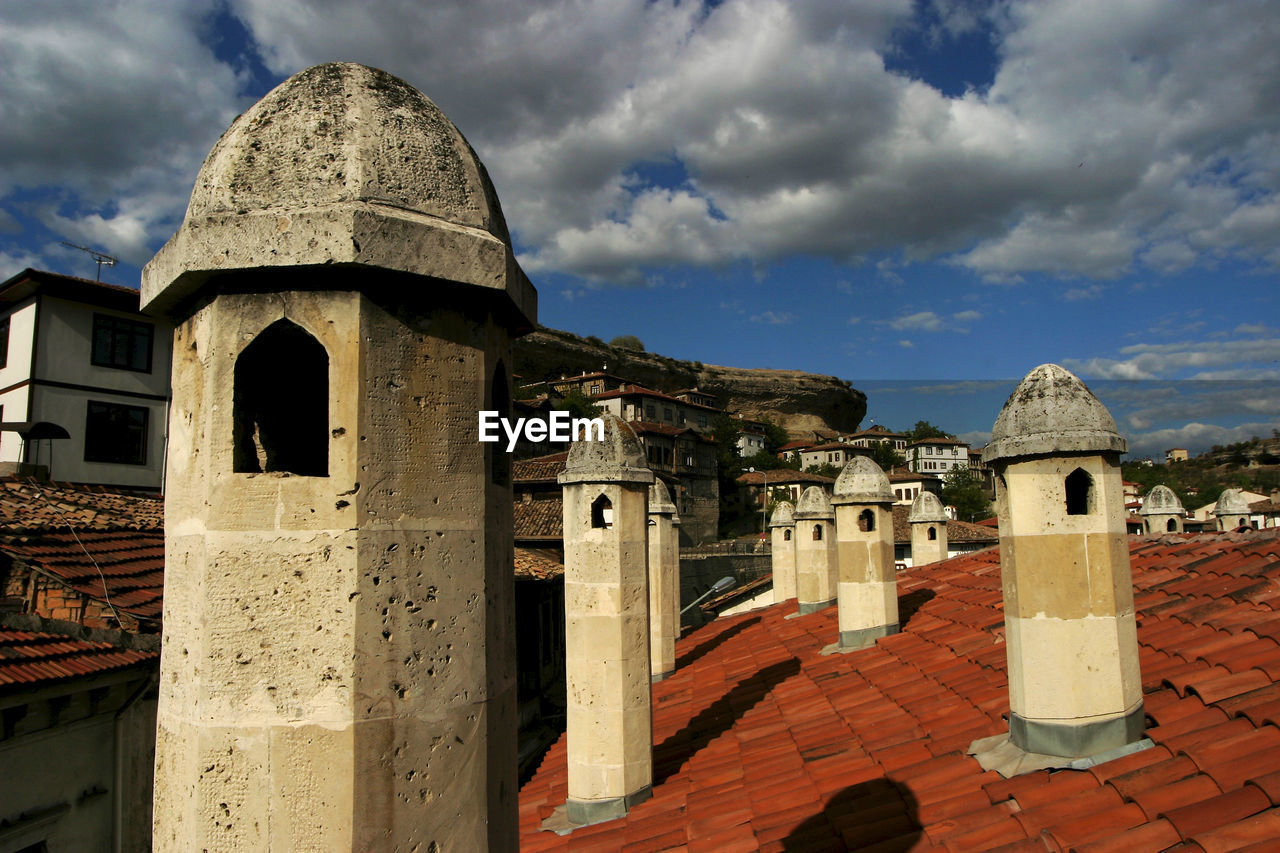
{"x": 804, "y": 608}
{"x": 1077, "y": 740}
{"x": 1000, "y": 754}
{"x": 862, "y": 638}
{"x": 578, "y": 813}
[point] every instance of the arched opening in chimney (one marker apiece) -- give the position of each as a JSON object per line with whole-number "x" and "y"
{"x": 500, "y": 402}
{"x": 866, "y": 521}
{"x": 1079, "y": 488}
{"x": 786, "y": 536}
{"x": 933, "y": 534}
{"x": 602, "y": 512}
{"x": 280, "y": 404}
{"x": 1171, "y": 525}
{"x": 817, "y": 532}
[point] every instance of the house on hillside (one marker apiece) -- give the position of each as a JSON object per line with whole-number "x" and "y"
{"x": 79, "y": 354}
{"x": 937, "y": 455}
{"x": 908, "y": 485}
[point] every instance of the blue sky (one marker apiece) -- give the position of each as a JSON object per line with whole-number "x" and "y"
{"x": 926, "y": 198}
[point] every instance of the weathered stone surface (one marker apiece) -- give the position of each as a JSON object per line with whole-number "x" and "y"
{"x": 815, "y": 542}
{"x": 619, "y": 457}
{"x": 805, "y": 404}
{"x": 1052, "y": 411}
{"x": 926, "y": 507}
{"x": 783, "y": 515}
{"x": 342, "y": 164}
{"x": 862, "y": 481}
{"x": 1231, "y": 502}
{"x": 664, "y": 581}
{"x": 814, "y": 503}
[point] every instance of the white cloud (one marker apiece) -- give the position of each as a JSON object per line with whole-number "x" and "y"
{"x": 1090, "y": 291}
{"x": 774, "y": 318}
{"x": 1115, "y": 136}
{"x": 925, "y": 321}
{"x": 905, "y": 344}
{"x": 1195, "y": 436}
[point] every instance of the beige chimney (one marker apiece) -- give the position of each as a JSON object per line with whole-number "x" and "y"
{"x": 1232, "y": 510}
{"x": 782, "y": 532}
{"x": 664, "y": 582}
{"x": 928, "y": 521}
{"x": 868, "y": 589}
{"x": 1162, "y": 512}
{"x": 1074, "y": 684}
{"x": 606, "y": 603}
{"x": 815, "y": 539}
{"x": 338, "y": 631}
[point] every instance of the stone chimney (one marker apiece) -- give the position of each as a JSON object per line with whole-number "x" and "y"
{"x": 864, "y": 529}
{"x": 606, "y": 603}
{"x": 928, "y": 521}
{"x": 337, "y": 669}
{"x": 1074, "y": 684}
{"x": 782, "y": 532}
{"x": 1232, "y": 510}
{"x": 815, "y": 539}
{"x": 664, "y": 581}
{"x": 1162, "y": 511}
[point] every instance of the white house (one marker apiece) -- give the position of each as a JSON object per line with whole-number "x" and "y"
{"x": 937, "y": 455}
{"x": 79, "y": 354}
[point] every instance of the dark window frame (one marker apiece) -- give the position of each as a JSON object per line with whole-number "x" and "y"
{"x": 5, "y": 323}
{"x": 92, "y": 433}
{"x": 121, "y": 349}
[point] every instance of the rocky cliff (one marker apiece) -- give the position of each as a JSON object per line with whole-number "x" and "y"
{"x": 805, "y": 404}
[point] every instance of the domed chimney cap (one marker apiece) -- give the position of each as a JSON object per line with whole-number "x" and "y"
{"x": 784, "y": 515}
{"x": 1161, "y": 501}
{"x": 862, "y": 482}
{"x": 1231, "y": 502}
{"x": 618, "y": 458}
{"x": 814, "y": 505}
{"x": 341, "y": 164}
{"x": 927, "y": 508}
{"x": 660, "y": 499}
{"x": 1051, "y": 411}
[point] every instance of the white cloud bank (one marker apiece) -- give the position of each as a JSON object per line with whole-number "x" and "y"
{"x": 1115, "y": 135}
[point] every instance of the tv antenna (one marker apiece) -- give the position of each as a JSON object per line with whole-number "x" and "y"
{"x": 102, "y": 258}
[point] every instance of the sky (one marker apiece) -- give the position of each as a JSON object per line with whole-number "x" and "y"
{"x": 926, "y": 198}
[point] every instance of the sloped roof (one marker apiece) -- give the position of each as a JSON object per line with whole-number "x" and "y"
{"x": 763, "y": 743}
{"x": 131, "y": 562}
{"x": 539, "y": 519}
{"x": 957, "y": 531}
{"x": 537, "y": 564}
{"x": 27, "y": 505}
{"x": 782, "y": 476}
{"x": 539, "y": 468}
{"x": 31, "y": 659}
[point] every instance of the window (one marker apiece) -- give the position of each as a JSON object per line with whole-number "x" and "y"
{"x": 602, "y": 513}
{"x": 866, "y": 521}
{"x": 121, "y": 343}
{"x": 933, "y": 534}
{"x": 817, "y": 533}
{"x": 1171, "y": 525}
{"x": 1079, "y": 489}
{"x": 116, "y": 433}
{"x": 666, "y": 414}
{"x": 702, "y": 419}
{"x": 786, "y": 535}
{"x": 4, "y": 342}
{"x": 280, "y": 404}
{"x": 650, "y": 412}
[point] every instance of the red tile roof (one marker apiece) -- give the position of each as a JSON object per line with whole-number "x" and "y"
{"x": 28, "y": 505}
{"x": 762, "y": 743}
{"x": 130, "y": 561}
{"x": 30, "y": 659}
{"x": 781, "y": 477}
{"x": 639, "y": 391}
{"x": 540, "y": 468}
{"x": 539, "y": 519}
{"x": 538, "y": 564}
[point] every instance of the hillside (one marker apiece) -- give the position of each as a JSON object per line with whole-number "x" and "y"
{"x": 805, "y": 404}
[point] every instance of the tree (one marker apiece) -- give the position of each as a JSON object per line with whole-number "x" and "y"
{"x": 826, "y": 469}
{"x": 883, "y": 454}
{"x": 578, "y": 405}
{"x": 774, "y": 437}
{"x": 923, "y": 430}
{"x": 627, "y": 342}
{"x": 962, "y": 489}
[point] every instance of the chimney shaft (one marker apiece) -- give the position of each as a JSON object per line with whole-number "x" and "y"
{"x": 782, "y": 530}
{"x": 815, "y": 539}
{"x": 868, "y": 591}
{"x": 664, "y": 582}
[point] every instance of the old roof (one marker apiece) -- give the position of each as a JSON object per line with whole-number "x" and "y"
{"x": 784, "y": 515}
{"x": 641, "y": 391}
{"x": 32, "y": 659}
{"x": 926, "y": 507}
{"x": 957, "y": 531}
{"x": 30, "y": 505}
{"x": 782, "y": 476}
{"x": 862, "y": 481}
{"x": 31, "y": 281}
{"x": 618, "y": 457}
{"x": 763, "y": 743}
{"x": 1231, "y": 502}
{"x": 1160, "y": 500}
{"x": 129, "y": 562}
{"x": 539, "y": 519}
{"x": 540, "y": 468}
{"x": 814, "y": 503}
{"x": 538, "y": 564}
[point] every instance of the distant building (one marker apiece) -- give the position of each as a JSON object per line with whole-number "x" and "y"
{"x": 1176, "y": 454}
{"x": 877, "y": 435}
{"x": 907, "y": 486}
{"x": 836, "y": 453}
{"x": 937, "y": 455}
{"x": 79, "y": 354}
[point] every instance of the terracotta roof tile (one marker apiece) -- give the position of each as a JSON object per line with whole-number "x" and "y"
{"x": 806, "y": 752}
{"x": 26, "y": 505}
{"x": 31, "y": 659}
{"x": 540, "y": 518}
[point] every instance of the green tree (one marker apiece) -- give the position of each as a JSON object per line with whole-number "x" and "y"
{"x": 627, "y": 342}
{"x": 923, "y": 430}
{"x": 962, "y": 489}
{"x": 883, "y": 454}
{"x": 774, "y": 436}
{"x": 826, "y": 469}
{"x": 578, "y": 405}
